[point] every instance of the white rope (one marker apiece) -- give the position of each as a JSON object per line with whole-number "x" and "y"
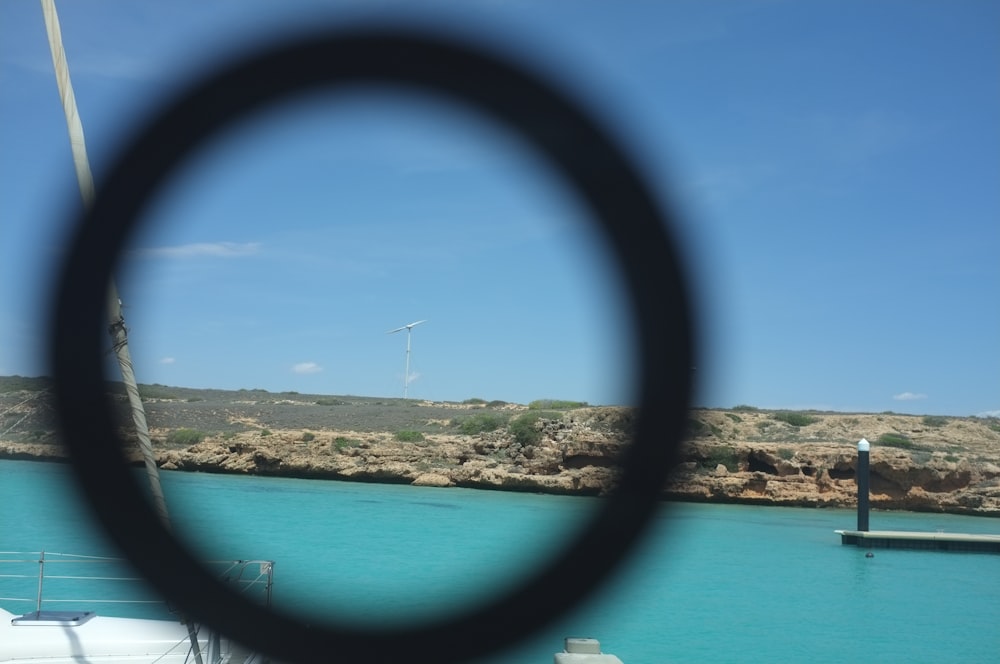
{"x": 116, "y": 321}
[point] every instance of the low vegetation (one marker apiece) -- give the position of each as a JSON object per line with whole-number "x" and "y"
{"x": 25, "y": 384}
{"x": 722, "y": 456}
{"x": 555, "y": 404}
{"x": 156, "y": 391}
{"x": 187, "y": 414}
{"x": 475, "y": 401}
{"x": 526, "y": 428}
{"x": 796, "y": 419}
{"x": 342, "y": 442}
{"x": 479, "y": 423}
{"x": 697, "y": 429}
{"x": 895, "y": 440}
{"x": 185, "y": 437}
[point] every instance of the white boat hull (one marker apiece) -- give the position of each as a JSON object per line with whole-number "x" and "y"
{"x": 95, "y": 639}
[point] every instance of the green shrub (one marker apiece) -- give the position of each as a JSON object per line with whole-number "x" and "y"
{"x": 409, "y": 436}
{"x": 745, "y": 408}
{"x": 308, "y": 436}
{"x": 795, "y": 419}
{"x": 555, "y": 404}
{"x": 474, "y": 401}
{"x": 265, "y": 432}
{"x": 185, "y": 437}
{"x": 895, "y": 440}
{"x": 341, "y": 442}
{"x": 786, "y": 453}
{"x": 725, "y": 456}
{"x": 496, "y": 403}
{"x": 734, "y": 417}
{"x": 155, "y": 391}
{"x": 330, "y": 402}
{"x": 479, "y": 423}
{"x": 696, "y": 428}
{"x": 525, "y": 428}
{"x": 21, "y": 383}
{"x": 935, "y": 420}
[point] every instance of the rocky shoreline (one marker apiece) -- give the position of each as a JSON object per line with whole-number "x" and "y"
{"x": 743, "y": 455}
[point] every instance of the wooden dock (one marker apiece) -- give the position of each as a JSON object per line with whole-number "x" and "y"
{"x": 898, "y": 539}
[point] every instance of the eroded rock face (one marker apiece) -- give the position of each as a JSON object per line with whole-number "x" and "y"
{"x": 579, "y": 456}
{"x": 823, "y": 474}
{"x": 732, "y": 456}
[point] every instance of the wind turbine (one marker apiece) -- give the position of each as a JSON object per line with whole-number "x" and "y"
{"x": 409, "y": 331}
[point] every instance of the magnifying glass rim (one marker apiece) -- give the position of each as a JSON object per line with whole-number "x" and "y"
{"x": 577, "y": 148}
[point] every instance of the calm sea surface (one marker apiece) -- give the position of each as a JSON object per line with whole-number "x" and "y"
{"x": 712, "y": 583}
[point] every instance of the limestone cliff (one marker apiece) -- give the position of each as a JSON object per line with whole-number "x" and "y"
{"x": 942, "y": 469}
{"x": 739, "y": 456}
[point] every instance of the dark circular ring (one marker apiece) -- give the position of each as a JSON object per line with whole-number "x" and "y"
{"x": 590, "y": 163}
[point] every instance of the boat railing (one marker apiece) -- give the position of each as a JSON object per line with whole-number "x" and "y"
{"x": 34, "y": 581}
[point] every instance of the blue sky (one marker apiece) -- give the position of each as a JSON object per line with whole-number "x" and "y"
{"x": 836, "y": 164}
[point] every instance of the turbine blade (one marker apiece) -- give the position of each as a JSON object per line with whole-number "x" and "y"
{"x": 407, "y": 327}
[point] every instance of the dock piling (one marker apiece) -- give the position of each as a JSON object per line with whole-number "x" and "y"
{"x": 889, "y": 539}
{"x": 862, "y": 479}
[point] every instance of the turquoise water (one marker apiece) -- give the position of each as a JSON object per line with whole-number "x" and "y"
{"x": 711, "y": 583}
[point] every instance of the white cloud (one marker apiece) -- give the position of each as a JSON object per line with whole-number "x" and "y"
{"x": 198, "y": 249}
{"x": 908, "y": 396}
{"x": 306, "y": 368}
{"x": 989, "y": 413}
{"x": 167, "y": 360}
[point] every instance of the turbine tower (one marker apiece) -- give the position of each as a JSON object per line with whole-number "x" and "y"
{"x": 409, "y": 331}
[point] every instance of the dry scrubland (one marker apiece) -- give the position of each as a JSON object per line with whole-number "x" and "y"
{"x": 742, "y": 455}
